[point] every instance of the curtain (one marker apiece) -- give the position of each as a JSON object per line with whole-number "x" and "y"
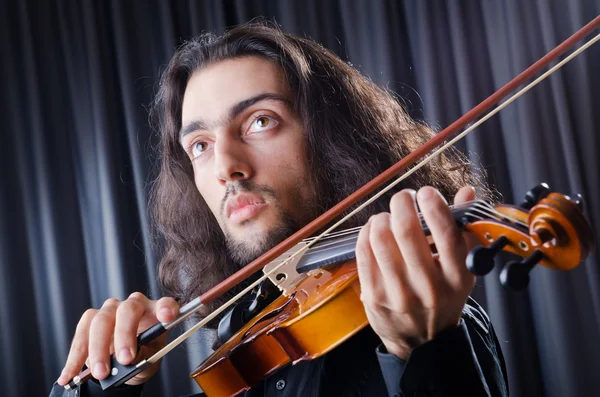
{"x": 77, "y": 157}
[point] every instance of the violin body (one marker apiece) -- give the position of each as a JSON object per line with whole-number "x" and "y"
{"x": 323, "y": 312}
{"x": 324, "y": 308}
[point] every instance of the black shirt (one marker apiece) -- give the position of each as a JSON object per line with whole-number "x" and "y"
{"x": 463, "y": 361}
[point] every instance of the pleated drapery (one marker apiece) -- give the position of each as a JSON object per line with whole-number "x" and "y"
{"x": 77, "y": 157}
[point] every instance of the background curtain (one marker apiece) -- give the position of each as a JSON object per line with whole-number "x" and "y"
{"x": 77, "y": 157}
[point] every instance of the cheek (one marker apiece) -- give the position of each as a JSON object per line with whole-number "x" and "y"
{"x": 209, "y": 191}
{"x": 294, "y": 179}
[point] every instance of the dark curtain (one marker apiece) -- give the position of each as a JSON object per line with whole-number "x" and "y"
{"x": 77, "y": 157}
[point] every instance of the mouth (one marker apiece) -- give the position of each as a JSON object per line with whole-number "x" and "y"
{"x": 244, "y": 207}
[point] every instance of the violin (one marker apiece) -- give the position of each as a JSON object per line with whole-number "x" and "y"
{"x": 319, "y": 306}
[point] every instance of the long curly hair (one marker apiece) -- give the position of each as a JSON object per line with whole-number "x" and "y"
{"x": 354, "y": 130}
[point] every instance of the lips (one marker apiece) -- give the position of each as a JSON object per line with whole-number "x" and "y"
{"x": 243, "y": 207}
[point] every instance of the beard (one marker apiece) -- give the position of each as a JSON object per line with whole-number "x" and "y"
{"x": 242, "y": 252}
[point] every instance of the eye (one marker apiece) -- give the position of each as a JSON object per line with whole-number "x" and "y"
{"x": 262, "y": 123}
{"x": 198, "y": 148}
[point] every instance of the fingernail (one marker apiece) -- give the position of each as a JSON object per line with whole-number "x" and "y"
{"x": 426, "y": 193}
{"x": 124, "y": 354}
{"x": 165, "y": 312}
{"x": 99, "y": 369}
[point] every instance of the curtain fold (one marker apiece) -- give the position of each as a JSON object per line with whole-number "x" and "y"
{"x": 77, "y": 157}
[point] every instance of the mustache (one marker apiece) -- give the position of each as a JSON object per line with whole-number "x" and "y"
{"x": 238, "y": 187}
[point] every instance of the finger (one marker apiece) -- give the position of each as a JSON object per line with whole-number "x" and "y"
{"x": 79, "y": 348}
{"x": 101, "y": 335}
{"x": 388, "y": 258}
{"x": 128, "y": 316}
{"x": 368, "y": 274}
{"x": 408, "y": 232}
{"x": 422, "y": 270}
{"x": 167, "y": 309}
{"x": 465, "y": 194}
{"x": 446, "y": 235}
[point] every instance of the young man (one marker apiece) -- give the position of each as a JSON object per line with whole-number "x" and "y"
{"x": 261, "y": 132}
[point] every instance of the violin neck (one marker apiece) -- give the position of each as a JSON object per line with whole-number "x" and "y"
{"x": 342, "y": 246}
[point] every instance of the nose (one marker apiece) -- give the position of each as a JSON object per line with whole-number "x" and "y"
{"x": 232, "y": 162}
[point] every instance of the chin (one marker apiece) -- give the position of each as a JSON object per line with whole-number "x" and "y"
{"x": 244, "y": 251}
{"x": 252, "y": 241}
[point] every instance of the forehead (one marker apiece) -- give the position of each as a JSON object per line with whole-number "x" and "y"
{"x": 212, "y": 90}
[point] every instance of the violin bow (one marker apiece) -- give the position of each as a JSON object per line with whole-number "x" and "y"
{"x": 326, "y": 218}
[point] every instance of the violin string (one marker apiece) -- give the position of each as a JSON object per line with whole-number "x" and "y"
{"x": 479, "y": 217}
{"x": 501, "y": 216}
{"x": 452, "y": 207}
{"x": 158, "y": 355}
{"x": 357, "y": 228}
{"x": 482, "y": 210}
{"x": 353, "y": 235}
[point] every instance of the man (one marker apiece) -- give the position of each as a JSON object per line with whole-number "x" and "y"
{"x": 261, "y": 132}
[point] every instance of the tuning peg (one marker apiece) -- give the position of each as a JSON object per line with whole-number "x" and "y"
{"x": 533, "y": 196}
{"x": 480, "y": 260}
{"x": 515, "y": 274}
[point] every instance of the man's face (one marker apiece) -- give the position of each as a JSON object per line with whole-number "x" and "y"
{"x": 248, "y": 152}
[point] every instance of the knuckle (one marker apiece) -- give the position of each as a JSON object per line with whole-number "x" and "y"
{"x": 403, "y": 304}
{"x": 370, "y": 301}
{"x": 102, "y": 318}
{"x": 373, "y": 297}
{"x": 85, "y": 320}
{"x": 89, "y": 314}
{"x": 110, "y": 303}
{"x": 130, "y": 306}
{"x": 137, "y": 296}
{"x": 125, "y": 328}
{"x": 403, "y": 231}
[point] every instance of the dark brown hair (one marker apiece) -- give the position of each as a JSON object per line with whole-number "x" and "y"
{"x": 354, "y": 130}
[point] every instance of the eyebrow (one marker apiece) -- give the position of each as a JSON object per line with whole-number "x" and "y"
{"x": 234, "y": 111}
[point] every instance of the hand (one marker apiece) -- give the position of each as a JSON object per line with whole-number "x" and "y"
{"x": 114, "y": 328}
{"x": 411, "y": 295}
